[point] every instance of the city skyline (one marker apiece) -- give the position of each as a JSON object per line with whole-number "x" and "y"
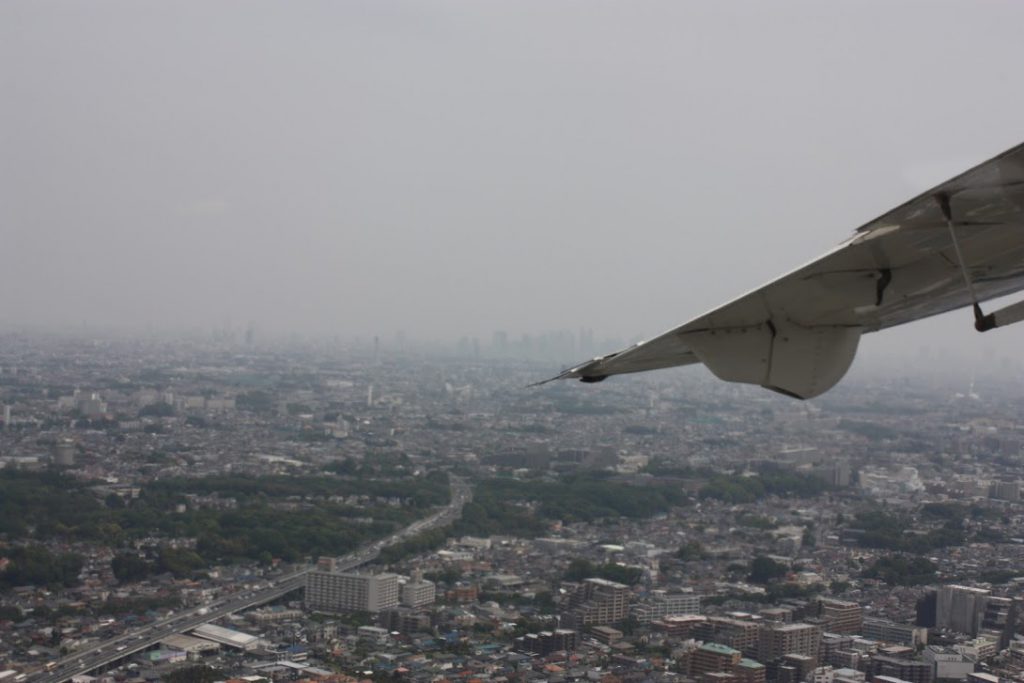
{"x": 356, "y": 170}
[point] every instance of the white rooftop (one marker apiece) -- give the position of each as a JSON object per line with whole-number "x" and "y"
{"x": 226, "y": 636}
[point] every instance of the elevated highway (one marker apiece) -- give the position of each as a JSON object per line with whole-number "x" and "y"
{"x": 109, "y": 652}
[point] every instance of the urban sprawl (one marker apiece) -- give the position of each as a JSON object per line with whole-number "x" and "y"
{"x": 217, "y": 509}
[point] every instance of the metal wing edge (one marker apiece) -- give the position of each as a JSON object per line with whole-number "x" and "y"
{"x": 598, "y": 369}
{"x": 601, "y": 367}
{"x": 882, "y": 219}
{"x": 663, "y": 351}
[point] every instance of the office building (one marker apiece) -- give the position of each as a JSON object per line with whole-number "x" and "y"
{"x": 999, "y": 619}
{"x": 979, "y": 677}
{"x": 714, "y": 657}
{"x": 404, "y": 620}
{"x": 795, "y": 668}
{"x": 831, "y": 645}
{"x": 947, "y": 663}
{"x": 1005, "y": 490}
{"x": 663, "y": 604}
{"x": 598, "y": 601}
{"x": 775, "y": 641}
{"x": 830, "y": 674}
{"x": 891, "y": 632}
{"x": 606, "y": 634}
{"x": 740, "y": 634}
{"x": 678, "y": 626}
{"x": 717, "y": 677}
{"x": 978, "y": 649}
{"x": 904, "y": 669}
{"x": 418, "y": 592}
{"x": 841, "y": 616}
{"x": 92, "y": 406}
{"x": 780, "y": 614}
{"x": 749, "y": 671}
{"x": 546, "y": 642}
{"x": 960, "y": 608}
{"x": 463, "y": 592}
{"x": 64, "y": 452}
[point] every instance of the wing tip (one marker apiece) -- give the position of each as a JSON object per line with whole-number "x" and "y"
{"x": 576, "y": 372}
{"x": 565, "y": 374}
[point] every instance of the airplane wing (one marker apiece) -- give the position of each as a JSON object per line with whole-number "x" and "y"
{"x": 955, "y": 245}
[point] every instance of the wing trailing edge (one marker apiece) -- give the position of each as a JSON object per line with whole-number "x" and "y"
{"x": 956, "y": 245}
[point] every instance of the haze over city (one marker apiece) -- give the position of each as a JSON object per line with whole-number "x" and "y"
{"x": 447, "y": 169}
{"x": 281, "y": 282}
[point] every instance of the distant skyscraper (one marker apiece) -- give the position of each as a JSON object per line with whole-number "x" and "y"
{"x": 7, "y": 417}
{"x": 500, "y": 343}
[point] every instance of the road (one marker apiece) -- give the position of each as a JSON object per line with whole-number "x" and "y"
{"x": 114, "y": 649}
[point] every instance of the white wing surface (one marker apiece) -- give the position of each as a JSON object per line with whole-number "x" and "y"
{"x": 958, "y": 244}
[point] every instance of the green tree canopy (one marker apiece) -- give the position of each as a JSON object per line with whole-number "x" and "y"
{"x": 902, "y": 570}
{"x": 128, "y": 568}
{"x": 581, "y": 568}
{"x": 765, "y": 569}
{"x": 34, "y": 565}
{"x": 692, "y": 550}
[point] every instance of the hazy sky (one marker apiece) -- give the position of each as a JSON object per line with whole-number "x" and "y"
{"x": 451, "y": 168}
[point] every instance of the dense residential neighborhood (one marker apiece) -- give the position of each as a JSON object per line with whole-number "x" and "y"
{"x": 216, "y": 509}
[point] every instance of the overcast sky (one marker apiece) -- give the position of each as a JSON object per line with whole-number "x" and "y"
{"x": 452, "y": 168}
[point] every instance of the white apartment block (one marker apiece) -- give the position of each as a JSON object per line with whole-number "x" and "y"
{"x": 328, "y": 591}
